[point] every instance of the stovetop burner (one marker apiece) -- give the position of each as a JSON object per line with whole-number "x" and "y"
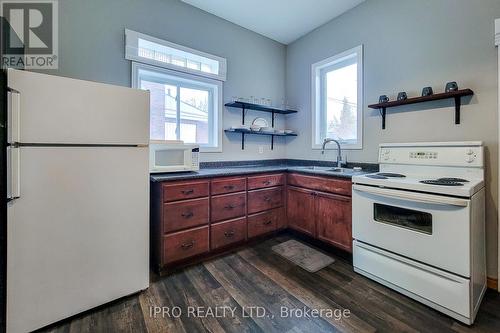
{"x": 441, "y": 182}
{"x": 390, "y": 175}
{"x": 452, "y": 179}
{"x": 376, "y": 176}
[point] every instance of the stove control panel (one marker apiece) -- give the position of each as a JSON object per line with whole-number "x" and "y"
{"x": 423, "y": 154}
{"x": 466, "y": 156}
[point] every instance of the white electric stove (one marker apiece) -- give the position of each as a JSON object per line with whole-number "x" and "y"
{"x": 418, "y": 224}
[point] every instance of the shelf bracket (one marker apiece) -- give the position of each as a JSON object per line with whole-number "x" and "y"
{"x": 383, "y": 113}
{"x": 457, "y": 109}
{"x": 242, "y": 141}
{"x": 243, "y": 115}
{"x": 272, "y": 141}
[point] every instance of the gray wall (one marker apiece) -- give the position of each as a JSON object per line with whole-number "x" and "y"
{"x": 410, "y": 44}
{"x": 91, "y": 43}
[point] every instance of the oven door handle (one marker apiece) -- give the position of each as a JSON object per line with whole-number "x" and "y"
{"x": 412, "y": 196}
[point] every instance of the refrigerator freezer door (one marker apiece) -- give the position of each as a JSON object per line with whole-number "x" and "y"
{"x": 59, "y": 110}
{"x": 78, "y": 235}
{"x": 13, "y": 115}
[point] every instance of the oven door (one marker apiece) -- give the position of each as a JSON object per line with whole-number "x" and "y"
{"x": 432, "y": 229}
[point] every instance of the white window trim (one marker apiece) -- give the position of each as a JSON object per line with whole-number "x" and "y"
{"x": 315, "y": 96}
{"x": 131, "y": 47}
{"x": 217, "y": 119}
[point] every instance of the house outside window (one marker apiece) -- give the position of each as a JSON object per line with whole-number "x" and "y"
{"x": 337, "y": 104}
{"x": 185, "y": 87}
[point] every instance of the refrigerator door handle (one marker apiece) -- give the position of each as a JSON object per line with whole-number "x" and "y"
{"x": 13, "y": 117}
{"x": 13, "y": 173}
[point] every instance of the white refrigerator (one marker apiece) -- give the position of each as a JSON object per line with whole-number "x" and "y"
{"x": 78, "y": 196}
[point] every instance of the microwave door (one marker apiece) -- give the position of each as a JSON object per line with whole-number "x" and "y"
{"x": 167, "y": 160}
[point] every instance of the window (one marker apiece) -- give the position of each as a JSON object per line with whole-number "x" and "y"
{"x": 183, "y": 106}
{"x": 337, "y": 104}
{"x": 150, "y": 50}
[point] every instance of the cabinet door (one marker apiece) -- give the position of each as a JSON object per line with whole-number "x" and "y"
{"x": 300, "y": 210}
{"x": 333, "y": 220}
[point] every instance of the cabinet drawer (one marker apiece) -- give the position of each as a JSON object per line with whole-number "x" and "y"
{"x": 185, "y": 190}
{"x": 265, "y": 199}
{"x": 185, "y": 244}
{"x": 323, "y": 184}
{"x": 263, "y": 181}
{"x": 184, "y": 214}
{"x": 263, "y": 223}
{"x": 228, "y": 185}
{"x": 229, "y": 232}
{"x": 228, "y": 206}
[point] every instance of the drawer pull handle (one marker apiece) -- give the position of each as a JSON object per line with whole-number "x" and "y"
{"x": 229, "y": 234}
{"x": 267, "y": 199}
{"x": 186, "y": 192}
{"x": 267, "y": 222}
{"x": 230, "y": 206}
{"x": 187, "y": 215}
{"x": 267, "y": 182}
{"x": 229, "y": 187}
{"x": 188, "y": 245}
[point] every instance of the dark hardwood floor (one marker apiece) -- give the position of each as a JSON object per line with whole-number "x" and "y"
{"x": 256, "y": 277}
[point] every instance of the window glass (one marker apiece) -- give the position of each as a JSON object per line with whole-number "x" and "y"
{"x": 182, "y": 108}
{"x": 150, "y": 50}
{"x": 337, "y": 99}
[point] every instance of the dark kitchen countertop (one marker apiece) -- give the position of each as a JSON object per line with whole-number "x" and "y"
{"x": 223, "y": 169}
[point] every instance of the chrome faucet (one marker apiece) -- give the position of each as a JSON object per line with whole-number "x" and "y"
{"x": 339, "y": 150}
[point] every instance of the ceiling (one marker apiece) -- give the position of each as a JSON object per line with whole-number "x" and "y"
{"x": 281, "y": 20}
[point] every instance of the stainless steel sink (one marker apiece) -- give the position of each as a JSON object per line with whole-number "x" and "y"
{"x": 328, "y": 169}
{"x": 315, "y": 168}
{"x": 340, "y": 170}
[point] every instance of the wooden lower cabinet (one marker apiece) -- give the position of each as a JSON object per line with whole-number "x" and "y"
{"x": 227, "y": 233}
{"x": 334, "y": 220}
{"x": 265, "y": 199}
{"x": 228, "y": 206}
{"x": 184, "y": 214}
{"x": 264, "y": 223}
{"x": 324, "y": 216}
{"x": 185, "y": 244}
{"x": 300, "y": 210}
{"x": 192, "y": 218}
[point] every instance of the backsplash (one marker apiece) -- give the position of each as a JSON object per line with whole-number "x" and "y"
{"x": 288, "y": 162}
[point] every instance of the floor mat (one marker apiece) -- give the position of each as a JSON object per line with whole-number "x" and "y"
{"x": 303, "y": 255}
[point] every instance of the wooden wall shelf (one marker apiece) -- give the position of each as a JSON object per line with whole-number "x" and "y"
{"x": 243, "y": 132}
{"x": 257, "y": 107}
{"x": 456, "y": 95}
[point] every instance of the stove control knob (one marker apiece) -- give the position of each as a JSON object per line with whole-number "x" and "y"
{"x": 385, "y": 154}
{"x": 470, "y": 158}
{"x": 469, "y": 152}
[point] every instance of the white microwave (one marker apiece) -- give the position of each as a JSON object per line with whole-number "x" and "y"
{"x": 173, "y": 156}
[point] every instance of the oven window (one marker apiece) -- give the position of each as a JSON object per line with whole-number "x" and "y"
{"x": 404, "y": 218}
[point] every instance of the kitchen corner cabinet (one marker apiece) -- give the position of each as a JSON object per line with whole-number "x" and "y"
{"x": 194, "y": 219}
{"x": 320, "y": 214}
